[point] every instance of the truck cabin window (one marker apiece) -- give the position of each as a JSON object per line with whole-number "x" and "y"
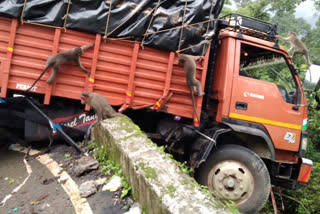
{"x": 268, "y": 66}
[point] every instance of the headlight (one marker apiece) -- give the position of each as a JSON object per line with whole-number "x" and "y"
{"x": 304, "y": 143}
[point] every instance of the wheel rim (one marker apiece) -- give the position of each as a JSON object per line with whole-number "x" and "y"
{"x": 232, "y": 180}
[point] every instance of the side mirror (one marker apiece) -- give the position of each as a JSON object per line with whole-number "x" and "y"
{"x": 297, "y": 71}
{"x": 312, "y": 77}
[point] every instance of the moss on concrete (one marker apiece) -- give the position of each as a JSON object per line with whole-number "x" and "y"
{"x": 155, "y": 178}
{"x": 171, "y": 190}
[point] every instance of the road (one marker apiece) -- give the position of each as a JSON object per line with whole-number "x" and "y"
{"x": 42, "y": 192}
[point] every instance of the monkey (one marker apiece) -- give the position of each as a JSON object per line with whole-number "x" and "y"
{"x": 298, "y": 46}
{"x": 120, "y": 3}
{"x": 174, "y": 19}
{"x": 63, "y": 58}
{"x": 133, "y": 6}
{"x": 190, "y": 72}
{"x": 169, "y": 19}
{"x": 147, "y": 11}
{"x": 196, "y": 30}
{"x": 100, "y": 105}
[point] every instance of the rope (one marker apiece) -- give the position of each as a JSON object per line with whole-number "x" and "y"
{"x": 213, "y": 1}
{"x": 183, "y": 19}
{"x": 44, "y": 25}
{"x": 137, "y": 9}
{"x": 181, "y": 50}
{"x": 33, "y": 23}
{"x": 153, "y": 14}
{"x": 24, "y": 6}
{"x": 169, "y": 29}
{"x": 107, "y": 23}
{"x": 65, "y": 20}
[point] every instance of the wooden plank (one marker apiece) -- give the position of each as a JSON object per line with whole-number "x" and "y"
{"x": 89, "y": 84}
{"x": 56, "y": 41}
{"x": 130, "y": 91}
{"x": 10, "y": 49}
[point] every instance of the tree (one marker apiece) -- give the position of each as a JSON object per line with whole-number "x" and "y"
{"x": 313, "y": 43}
{"x": 287, "y": 22}
{"x": 262, "y": 9}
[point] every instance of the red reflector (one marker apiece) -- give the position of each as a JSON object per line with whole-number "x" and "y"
{"x": 306, "y": 176}
{"x": 196, "y": 122}
{"x": 305, "y": 170}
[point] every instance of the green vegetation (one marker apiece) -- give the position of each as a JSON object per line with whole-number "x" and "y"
{"x": 108, "y": 166}
{"x": 305, "y": 200}
{"x": 171, "y": 190}
{"x": 149, "y": 172}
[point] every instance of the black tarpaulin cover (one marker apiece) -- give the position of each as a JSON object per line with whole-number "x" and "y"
{"x": 156, "y": 23}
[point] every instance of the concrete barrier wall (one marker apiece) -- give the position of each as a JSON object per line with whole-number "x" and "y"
{"x": 157, "y": 182}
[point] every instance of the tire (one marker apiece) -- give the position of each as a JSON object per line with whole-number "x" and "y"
{"x": 237, "y": 173}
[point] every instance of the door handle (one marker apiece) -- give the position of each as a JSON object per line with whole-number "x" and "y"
{"x": 296, "y": 108}
{"x": 241, "y": 105}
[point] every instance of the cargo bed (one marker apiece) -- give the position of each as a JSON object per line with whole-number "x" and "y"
{"x": 129, "y": 75}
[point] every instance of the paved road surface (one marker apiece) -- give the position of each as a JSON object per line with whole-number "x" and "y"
{"x": 55, "y": 200}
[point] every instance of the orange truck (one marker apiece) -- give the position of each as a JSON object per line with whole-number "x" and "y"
{"x": 252, "y": 131}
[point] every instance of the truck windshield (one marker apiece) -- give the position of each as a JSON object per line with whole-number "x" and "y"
{"x": 268, "y": 66}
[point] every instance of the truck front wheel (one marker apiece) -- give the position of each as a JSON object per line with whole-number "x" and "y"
{"x": 236, "y": 173}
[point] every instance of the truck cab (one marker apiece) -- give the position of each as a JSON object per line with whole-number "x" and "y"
{"x": 259, "y": 104}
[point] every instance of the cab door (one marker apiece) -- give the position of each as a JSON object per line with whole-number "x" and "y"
{"x": 265, "y": 91}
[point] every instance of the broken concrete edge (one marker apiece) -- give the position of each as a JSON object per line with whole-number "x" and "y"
{"x": 157, "y": 182}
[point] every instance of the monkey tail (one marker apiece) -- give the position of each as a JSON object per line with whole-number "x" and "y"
{"x": 44, "y": 70}
{"x": 194, "y": 105}
{"x": 308, "y": 60}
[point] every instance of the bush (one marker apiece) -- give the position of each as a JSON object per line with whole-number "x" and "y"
{"x": 305, "y": 200}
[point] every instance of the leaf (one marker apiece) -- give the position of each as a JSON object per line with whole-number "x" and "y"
{"x": 67, "y": 155}
{"x": 11, "y": 181}
{"x": 124, "y": 193}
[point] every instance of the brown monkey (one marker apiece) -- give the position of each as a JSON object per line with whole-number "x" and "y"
{"x": 147, "y": 11}
{"x": 120, "y": 3}
{"x": 196, "y": 30}
{"x": 100, "y": 105}
{"x": 174, "y": 19}
{"x": 298, "y": 46}
{"x": 189, "y": 65}
{"x": 63, "y": 58}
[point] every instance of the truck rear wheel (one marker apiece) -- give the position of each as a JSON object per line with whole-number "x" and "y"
{"x": 236, "y": 173}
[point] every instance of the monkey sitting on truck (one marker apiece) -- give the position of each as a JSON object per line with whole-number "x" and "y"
{"x": 298, "y": 46}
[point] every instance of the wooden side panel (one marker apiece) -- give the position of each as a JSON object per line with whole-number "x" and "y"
{"x": 118, "y": 68}
{"x": 32, "y": 46}
{"x": 4, "y": 36}
{"x": 113, "y": 69}
{"x": 150, "y": 76}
